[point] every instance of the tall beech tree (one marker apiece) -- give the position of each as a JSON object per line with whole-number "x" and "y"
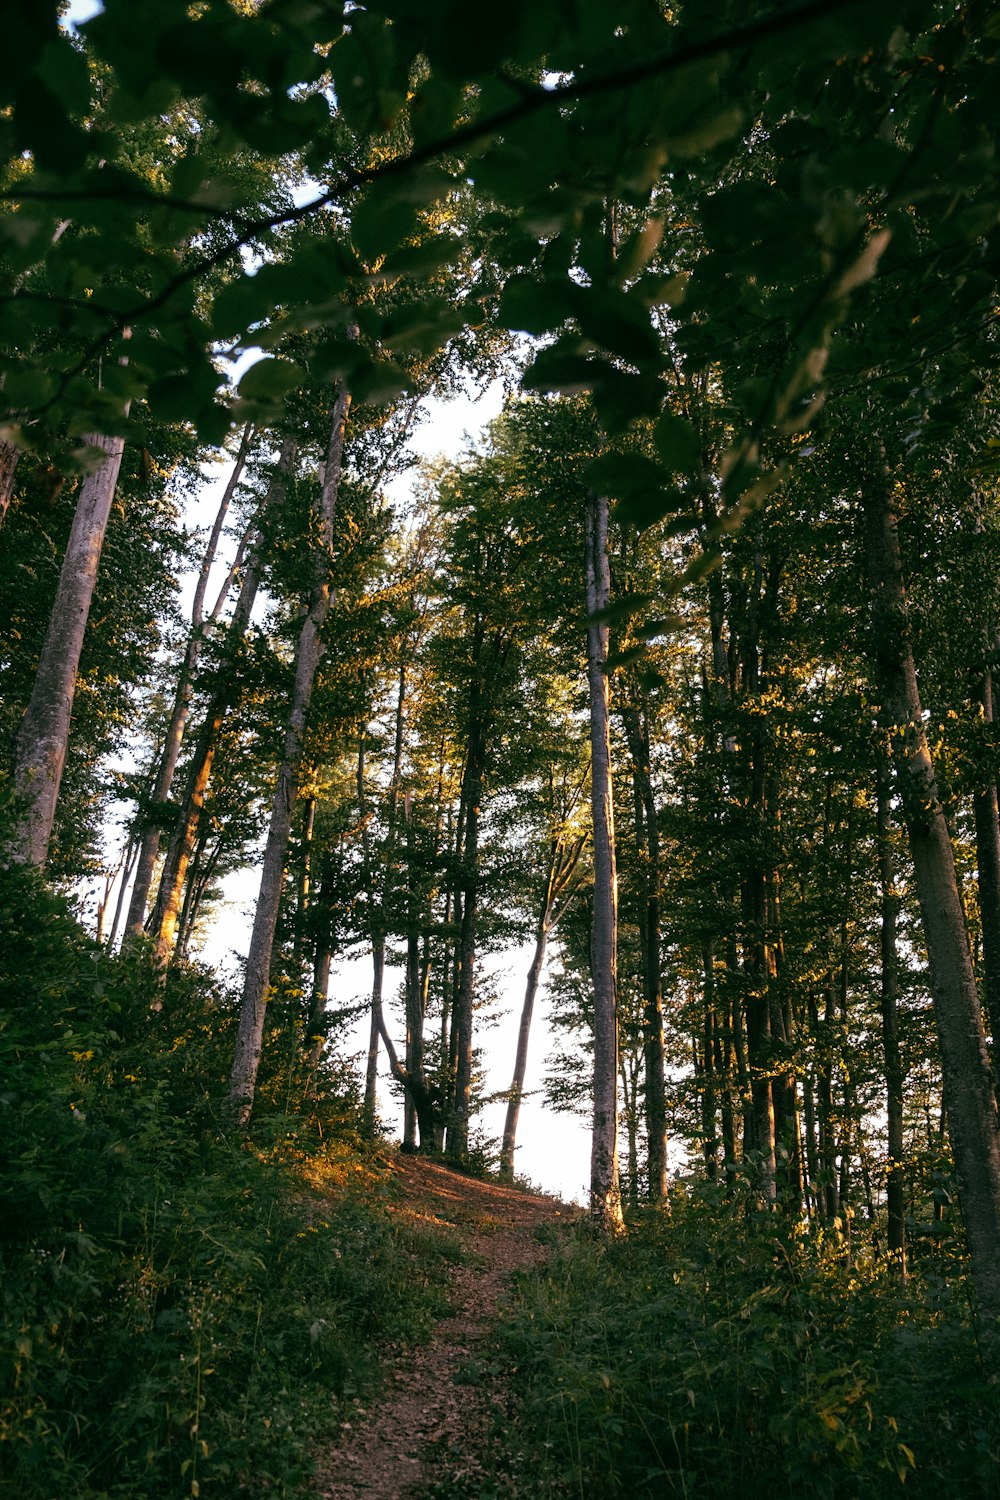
{"x": 149, "y": 839}
{"x": 968, "y": 1084}
{"x": 44, "y": 732}
{"x": 243, "y": 1076}
{"x": 605, "y": 1190}
{"x": 166, "y": 911}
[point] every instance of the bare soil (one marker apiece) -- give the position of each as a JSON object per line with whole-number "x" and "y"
{"x": 428, "y": 1431}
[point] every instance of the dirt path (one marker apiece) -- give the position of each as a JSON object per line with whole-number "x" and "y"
{"x": 425, "y": 1430}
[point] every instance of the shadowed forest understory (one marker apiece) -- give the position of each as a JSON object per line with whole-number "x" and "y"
{"x": 667, "y": 699}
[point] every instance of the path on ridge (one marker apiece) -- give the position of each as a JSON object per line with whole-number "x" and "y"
{"x": 424, "y": 1429}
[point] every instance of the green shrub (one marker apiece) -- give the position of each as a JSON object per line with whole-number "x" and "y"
{"x": 719, "y": 1355}
{"x": 182, "y": 1309}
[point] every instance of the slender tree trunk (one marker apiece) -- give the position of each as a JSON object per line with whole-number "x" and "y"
{"x": 826, "y": 1122}
{"x": 629, "y": 1075}
{"x": 516, "y": 1094}
{"x": 123, "y": 887}
{"x": 40, "y": 753}
{"x": 967, "y": 1080}
{"x": 377, "y": 932}
{"x": 370, "y": 1108}
{"x": 465, "y": 999}
{"x": 304, "y": 893}
{"x": 890, "y": 1025}
{"x": 414, "y": 1011}
{"x": 202, "y": 872}
{"x": 635, "y": 719}
{"x": 985, "y": 812}
{"x": 250, "y": 1030}
{"x": 164, "y": 918}
{"x": 322, "y": 962}
{"x": 812, "y": 1151}
{"x": 150, "y": 840}
{"x": 605, "y": 1189}
{"x": 725, "y": 1067}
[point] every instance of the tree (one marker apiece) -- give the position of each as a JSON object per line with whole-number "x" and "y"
{"x": 968, "y": 1083}
{"x": 242, "y": 1078}
{"x": 44, "y": 732}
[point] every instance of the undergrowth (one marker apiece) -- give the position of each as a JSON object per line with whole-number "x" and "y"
{"x": 724, "y": 1356}
{"x": 183, "y": 1309}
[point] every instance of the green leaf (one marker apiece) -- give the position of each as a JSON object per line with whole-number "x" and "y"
{"x": 530, "y": 305}
{"x": 624, "y": 475}
{"x": 562, "y": 368}
{"x": 618, "y": 322}
{"x": 270, "y": 379}
{"x": 678, "y": 445}
{"x": 379, "y": 381}
{"x": 380, "y": 222}
{"x": 25, "y": 388}
{"x": 370, "y": 75}
{"x": 64, "y": 69}
{"x": 620, "y": 397}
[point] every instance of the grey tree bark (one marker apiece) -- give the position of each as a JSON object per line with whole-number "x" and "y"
{"x": 465, "y": 998}
{"x": 987, "y": 821}
{"x": 150, "y": 839}
{"x": 40, "y": 753}
{"x": 890, "y": 1024}
{"x": 563, "y": 860}
{"x": 250, "y": 1030}
{"x": 166, "y": 912}
{"x": 967, "y": 1080}
{"x": 605, "y": 1188}
{"x": 635, "y": 719}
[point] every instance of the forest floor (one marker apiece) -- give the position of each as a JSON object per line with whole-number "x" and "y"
{"x": 428, "y": 1433}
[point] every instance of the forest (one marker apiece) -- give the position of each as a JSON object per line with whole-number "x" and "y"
{"x": 679, "y": 681}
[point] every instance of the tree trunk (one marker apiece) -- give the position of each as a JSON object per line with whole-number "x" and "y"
{"x": 605, "y": 1189}
{"x": 472, "y": 789}
{"x": 9, "y": 456}
{"x": 412, "y": 999}
{"x": 890, "y": 1025}
{"x": 635, "y": 719}
{"x": 984, "y": 805}
{"x": 166, "y": 912}
{"x": 967, "y": 1080}
{"x": 150, "y": 841}
{"x": 370, "y": 1108}
{"x": 40, "y": 753}
{"x": 250, "y": 1030}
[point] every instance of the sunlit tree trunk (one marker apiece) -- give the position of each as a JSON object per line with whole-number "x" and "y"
{"x": 605, "y": 1190}
{"x": 40, "y": 753}
{"x": 967, "y": 1081}
{"x": 150, "y": 839}
{"x": 166, "y": 911}
{"x": 250, "y": 1029}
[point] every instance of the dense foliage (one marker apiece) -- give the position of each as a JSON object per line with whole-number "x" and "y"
{"x": 686, "y": 1362}
{"x": 180, "y": 1312}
